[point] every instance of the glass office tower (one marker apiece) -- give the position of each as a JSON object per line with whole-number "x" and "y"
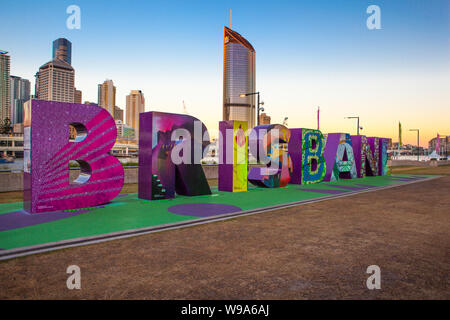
{"x": 238, "y": 78}
{"x": 20, "y": 93}
{"x": 62, "y": 50}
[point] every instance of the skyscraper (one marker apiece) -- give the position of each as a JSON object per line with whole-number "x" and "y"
{"x": 5, "y": 94}
{"x": 238, "y": 78}
{"x": 20, "y": 93}
{"x": 118, "y": 113}
{"x": 56, "y": 81}
{"x": 264, "y": 118}
{"x": 78, "y": 96}
{"x": 107, "y": 96}
{"x": 36, "y": 85}
{"x": 135, "y": 105}
{"x": 62, "y": 50}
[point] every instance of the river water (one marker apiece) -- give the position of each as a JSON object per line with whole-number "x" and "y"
{"x": 16, "y": 165}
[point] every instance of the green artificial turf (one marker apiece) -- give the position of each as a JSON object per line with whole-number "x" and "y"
{"x": 128, "y": 212}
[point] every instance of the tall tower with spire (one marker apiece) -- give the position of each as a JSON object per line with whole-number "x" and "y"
{"x": 238, "y": 78}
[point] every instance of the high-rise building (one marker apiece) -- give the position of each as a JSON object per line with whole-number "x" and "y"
{"x": 118, "y": 113}
{"x": 20, "y": 93}
{"x": 62, "y": 50}
{"x": 107, "y": 96}
{"x": 135, "y": 106}
{"x": 238, "y": 78}
{"x": 36, "y": 85}
{"x": 55, "y": 81}
{"x": 5, "y": 93}
{"x": 264, "y": 119}
{"x": 78, "y": 96}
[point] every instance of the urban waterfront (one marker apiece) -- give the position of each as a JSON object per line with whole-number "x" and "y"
{"x": 229, "y": 150}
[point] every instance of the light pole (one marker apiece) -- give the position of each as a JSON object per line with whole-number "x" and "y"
{"x": 417, "y": 141}
{"x": 357, "y": 124}
{"x": 243, "y": 95}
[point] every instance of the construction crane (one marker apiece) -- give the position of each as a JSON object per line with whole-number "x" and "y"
{"x": 184, "y": 108}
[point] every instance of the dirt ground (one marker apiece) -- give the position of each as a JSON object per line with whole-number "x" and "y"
{"x": 441, "y": 170}
{"x": 314, "y": 251}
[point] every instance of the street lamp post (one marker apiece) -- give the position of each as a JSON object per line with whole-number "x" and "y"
{"x": 243, "y": 95}
{"x": 357, "y": 124}
{"x": 417, "y": 142}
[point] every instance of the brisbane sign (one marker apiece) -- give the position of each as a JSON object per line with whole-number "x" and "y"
{"x": 171, "y": 147}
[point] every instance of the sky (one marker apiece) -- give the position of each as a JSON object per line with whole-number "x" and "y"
{"x": 308, "y": 54}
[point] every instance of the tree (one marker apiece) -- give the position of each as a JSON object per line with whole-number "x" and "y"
{"x": 6, "y": 127}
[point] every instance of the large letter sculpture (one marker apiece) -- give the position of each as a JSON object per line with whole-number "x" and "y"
{"x": 364, "y": 157}
{"x": 374, "y": 144}
{"x": 170, "y": 150}
{"x": 383, "y": 165}
{"x": 269, "y": 144}
{"x": 296, "y": 154}
{"x": 313, "y": 165}
{"x": 339, "y": 157}
{"x": 306, "y": 148}
{"x": 233, "y": 156}
{"x": 47, "y": 152}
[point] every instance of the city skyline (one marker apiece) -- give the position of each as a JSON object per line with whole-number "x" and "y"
{"x": 309, "y": 55}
